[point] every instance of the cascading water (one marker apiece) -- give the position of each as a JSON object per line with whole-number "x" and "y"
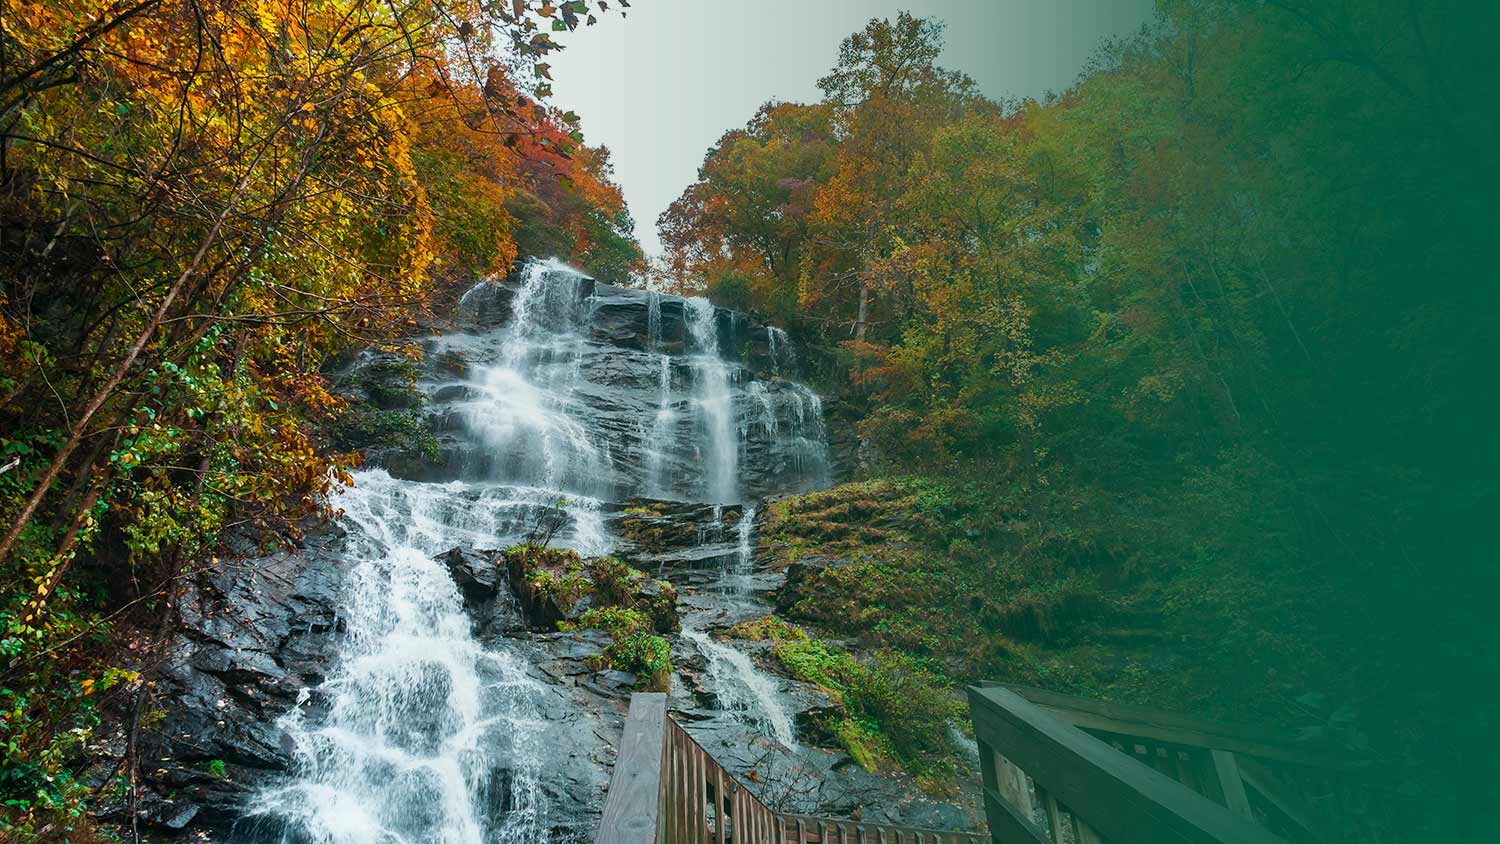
{"x": 779, "y": 346}
{"x": 742, "y": 688}
{"x": 661, "y": 429}
{"x": 653, "y": 320}
{"x": 420, "y": 717}
{"x": 424, "y": 733}
{"x": 721, "y": 447}
{"x": 737, "y": 575}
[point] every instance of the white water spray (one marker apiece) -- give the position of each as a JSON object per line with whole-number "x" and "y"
{"x": 715, "y": 403}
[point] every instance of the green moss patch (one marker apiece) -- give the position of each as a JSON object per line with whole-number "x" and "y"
{"x": 562, "y": 591}
{"x": 890, "y": 707}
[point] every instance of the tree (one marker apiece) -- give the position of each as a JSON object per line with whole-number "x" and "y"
{"x": 748, "y": 213}
{"x": 888, "y": 95}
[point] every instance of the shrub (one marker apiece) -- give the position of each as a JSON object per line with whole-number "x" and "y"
{"x": 645, "y": 655}
{"x": 767, "y": 628}
{"x": 616, "y": 621}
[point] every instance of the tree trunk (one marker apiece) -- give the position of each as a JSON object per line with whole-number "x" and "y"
{"x": 862, "y": 321}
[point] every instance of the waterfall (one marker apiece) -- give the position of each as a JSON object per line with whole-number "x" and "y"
{"x": 737, "y": 573}
{"x": 661, "y": 429}
{"x": 715, "y": 404}
{"x": 809, "y": 441}
{"x": 421, "y": 719}
{"x": 778, "y": 345}
{"x": 424, "y": 733}
{"x": 762, "y": 396}
{"x": 743, "y": 688}
{"x": 653, "y": 320}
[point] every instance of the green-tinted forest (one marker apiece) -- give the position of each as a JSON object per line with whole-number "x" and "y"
{"x": 1179, "y": 381}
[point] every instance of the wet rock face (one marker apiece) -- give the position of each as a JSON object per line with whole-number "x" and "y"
{"x": 251, "y": 636}
{"x": 498, "y": 436}
{"x": 632, "y": 366}
{"x": 257, "y": 636}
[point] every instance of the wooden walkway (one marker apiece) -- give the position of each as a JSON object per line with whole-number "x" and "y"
{"x": 666, "y": 789}
{"x": 1056, "y": 769}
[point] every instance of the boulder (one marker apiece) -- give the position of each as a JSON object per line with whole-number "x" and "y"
{"x": 475, "y": 574}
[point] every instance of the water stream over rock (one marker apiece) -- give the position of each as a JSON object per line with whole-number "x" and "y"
{"x": 558, "y": 398}
{"x": 381, "y": 684}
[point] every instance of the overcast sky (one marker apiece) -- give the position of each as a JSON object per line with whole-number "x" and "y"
{"x": 660, "y": 86}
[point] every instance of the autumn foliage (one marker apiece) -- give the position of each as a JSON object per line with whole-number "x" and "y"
{"x": 199, "y": 202}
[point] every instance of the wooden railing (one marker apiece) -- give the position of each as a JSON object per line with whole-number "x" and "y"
{"x": 666, "y": 789}
{"x": 1067, "y": 770}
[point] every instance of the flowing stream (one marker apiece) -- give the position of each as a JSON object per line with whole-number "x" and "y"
{"x": 558, "y": 399}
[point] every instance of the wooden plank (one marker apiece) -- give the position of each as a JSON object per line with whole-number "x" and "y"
{"x": 1265, "y": 783}
{"x": 1161, "y": 725}
{"x": 1230, "y": 784}
{"x": 1187, "y": 772}
{"x": 1054, "y": 817}
{"x": 1007, "y": 824}
{"x": 1125, "y": 802}
{"x": 684, "y": 808}
{"x": 737, "y": 816}
{"x": 912, "y": 833}
{"x": 633, "y": 803}
{"x": 1013, "y": 784}
{"x": 720, "y": 806}
{"x": 700, "y": 788}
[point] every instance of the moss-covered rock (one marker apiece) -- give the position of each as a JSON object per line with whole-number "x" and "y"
{"x": 385, "y": 416}
{"x": 559, "y": 590}
{"x": 556, "y": 585}
{"x": 888, "y": 708}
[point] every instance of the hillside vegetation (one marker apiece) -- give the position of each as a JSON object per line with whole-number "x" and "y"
{"x": 1176, "y": 382}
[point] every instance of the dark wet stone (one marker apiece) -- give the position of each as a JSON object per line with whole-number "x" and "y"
{"x": 475, "y": 574}
{"x": 250, "y": 635}
{"x": 485, "y": 306}
{"x": 611, "y": 683}
{"x": 182, "y": 818}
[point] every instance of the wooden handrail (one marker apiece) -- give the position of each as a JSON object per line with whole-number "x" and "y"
{"x": 633, "y": 805}
{"x": 666, "y": 789}
{"x": 1034, "y": 763}
{"x": 1161, "y": 725}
